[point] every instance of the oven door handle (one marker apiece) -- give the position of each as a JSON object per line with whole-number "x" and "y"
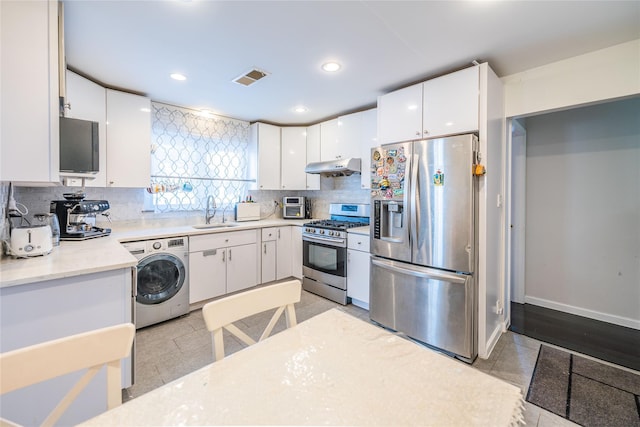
{"x": 334, "y": 242}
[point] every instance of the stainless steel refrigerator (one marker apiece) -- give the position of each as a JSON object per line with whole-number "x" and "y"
{"x": 423, "y": 241}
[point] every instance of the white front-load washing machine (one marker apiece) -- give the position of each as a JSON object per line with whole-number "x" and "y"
{"x": 162, "y": 279}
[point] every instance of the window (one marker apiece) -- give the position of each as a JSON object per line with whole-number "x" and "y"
{"x": 194, "y": 156}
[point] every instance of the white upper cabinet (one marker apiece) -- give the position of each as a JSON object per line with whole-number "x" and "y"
{"x": 313, "y": 155}
{"x": 340, "y": 138}
{"x": 369, "y": 140}
{"x": 265, "y": 140}
{"x": 329, "y": 140}
{"x": 400, "y": 115}
{"x": 349, "y": 136}
{"x": 128, "y": 140}
{"x": 450, "y": 103}
{"x": 294, "y": 158}
{"x": 29, "y": 124}
{"x": 87, "y": 101}
{"x": 442, "y": 106}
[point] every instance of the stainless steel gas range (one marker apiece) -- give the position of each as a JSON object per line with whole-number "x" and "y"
{"x": 325, "y": 250}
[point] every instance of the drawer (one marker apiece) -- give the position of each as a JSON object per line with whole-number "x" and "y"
{"x": 359, "y": 242}
{"x": 222, "y": 240}
{"x": 269, "y": 234}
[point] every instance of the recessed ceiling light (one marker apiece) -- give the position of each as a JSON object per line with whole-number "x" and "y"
{"x": 177, "y": 76}
{"x": 331, "y": 66}
{"x": 145, "y": 110}
{"x": 412, "y": 107}
{"x": 300, "y": 109}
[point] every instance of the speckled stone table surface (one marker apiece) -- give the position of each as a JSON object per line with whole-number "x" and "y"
{"x": 332, "y": 369}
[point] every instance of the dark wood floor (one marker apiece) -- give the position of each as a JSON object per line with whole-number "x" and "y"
{"x": 605, "y": 341}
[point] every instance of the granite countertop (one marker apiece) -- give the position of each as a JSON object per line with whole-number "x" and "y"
{"x": 74, "y": 258}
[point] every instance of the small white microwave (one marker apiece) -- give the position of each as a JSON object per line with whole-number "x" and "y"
{"x": 294, "y": 208}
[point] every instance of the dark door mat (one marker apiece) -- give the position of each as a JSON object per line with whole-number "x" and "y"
{"x": 584, "y": 391}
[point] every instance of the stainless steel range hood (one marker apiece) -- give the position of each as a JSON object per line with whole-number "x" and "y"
{"x": 338, "y": 167}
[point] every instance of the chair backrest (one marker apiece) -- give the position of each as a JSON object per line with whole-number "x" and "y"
{"x": 89, "y": 350}
{"x": 222, "y": 313}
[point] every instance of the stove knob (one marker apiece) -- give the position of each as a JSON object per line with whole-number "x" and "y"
{"x": 321, "y": 231}
{"x": 331, "y": 233}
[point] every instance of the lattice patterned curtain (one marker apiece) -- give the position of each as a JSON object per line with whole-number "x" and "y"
{"x": 196, "y": 155}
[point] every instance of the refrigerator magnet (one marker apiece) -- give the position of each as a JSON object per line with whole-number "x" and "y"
{"x": 376, "y": 155}
{"x": 438, "y": 178}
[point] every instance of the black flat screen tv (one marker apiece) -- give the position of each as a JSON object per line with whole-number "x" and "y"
{"x": 79, "y": 146}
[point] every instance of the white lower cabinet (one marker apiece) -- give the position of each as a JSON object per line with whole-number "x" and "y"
{"x": 268, "y": 255}
{"x": 296, "y": 252}
{"x": 276, "y": 253}
{"x": 283, "y": 252}
{"x": 221, "y": 263}
{"x": 208, "y": 274}
{"x": 358, "y": 269}
{"x": 242, "y": 263}
{"x": 37, "y": 312}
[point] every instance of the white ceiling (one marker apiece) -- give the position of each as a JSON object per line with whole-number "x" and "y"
{"x": 383, "y": 45}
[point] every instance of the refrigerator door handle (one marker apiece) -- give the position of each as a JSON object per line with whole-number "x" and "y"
{"x": 421, "y": 272}
{"x": 413, "y": 225}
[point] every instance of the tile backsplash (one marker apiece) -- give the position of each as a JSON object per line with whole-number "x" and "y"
{"x": 128, "y": 204}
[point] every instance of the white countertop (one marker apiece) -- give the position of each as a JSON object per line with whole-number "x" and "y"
{"x": 68, "y": 259}
{"x": 133, "y": 232}
{"x": 359, "y": 230}
{"x": 74, "y": 258}
{"x": 332, "y": 369}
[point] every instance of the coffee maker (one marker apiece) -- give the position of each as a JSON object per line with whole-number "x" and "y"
{"x": 77, "y": 217}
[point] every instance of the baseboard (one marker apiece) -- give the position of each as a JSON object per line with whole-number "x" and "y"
{"x": 360, "y": 304}
{"x": 579, "y": 311}
{"x": 491, "y": 343}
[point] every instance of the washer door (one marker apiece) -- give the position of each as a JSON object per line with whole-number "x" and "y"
{"x": 160, "y": 277}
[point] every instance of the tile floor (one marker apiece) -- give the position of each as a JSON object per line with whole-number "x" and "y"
{"x": 169, "y": 350}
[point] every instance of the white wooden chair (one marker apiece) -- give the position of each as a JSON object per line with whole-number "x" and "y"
{"x": 89, "y": 350}
{"x": 222, "y": 313}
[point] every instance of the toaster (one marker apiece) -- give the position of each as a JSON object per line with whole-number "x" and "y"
{"x": 30, "y": 241}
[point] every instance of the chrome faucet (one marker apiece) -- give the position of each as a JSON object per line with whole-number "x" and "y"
{"x": 211, "y": 204}
{"x": 224, "y": 211}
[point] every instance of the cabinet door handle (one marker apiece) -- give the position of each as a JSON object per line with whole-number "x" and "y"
{"x": 224, "y": 256}
{"x": 417, "y": 133}
{"x": 278, "y": 234}
{"x": 265, "y": 248}
{"x": 210, "y": 252}
{"x": 229, "y": 255}
{"x": 426, "y": 132}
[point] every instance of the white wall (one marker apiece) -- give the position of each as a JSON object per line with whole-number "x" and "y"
{"x": 605, "y": 74}
{"x": 491, "y": 215}
{"x": 583, "y": 211}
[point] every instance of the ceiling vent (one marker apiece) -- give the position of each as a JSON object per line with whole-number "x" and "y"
{"x": 250, "y": 77}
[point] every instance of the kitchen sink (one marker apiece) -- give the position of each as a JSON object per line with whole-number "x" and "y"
{"x": 216, "y": 225}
